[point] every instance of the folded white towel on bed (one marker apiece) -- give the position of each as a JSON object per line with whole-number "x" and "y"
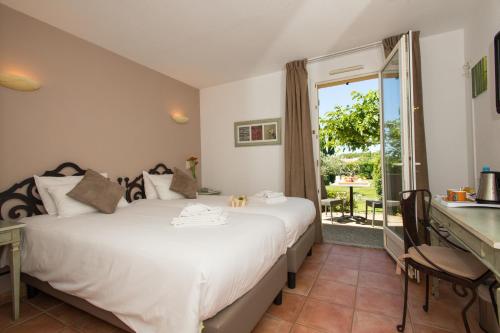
{"x": 269, "y": 197}
{"x": 200, "y": 215}
{"x": 269, "y": 194}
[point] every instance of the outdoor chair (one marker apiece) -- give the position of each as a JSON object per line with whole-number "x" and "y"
{"x": 373, "y": 203}
{"x": 330, "y": 203}
{"x": 453, "y": 263}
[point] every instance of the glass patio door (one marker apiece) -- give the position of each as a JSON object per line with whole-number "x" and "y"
{"x": 396, "y": 142}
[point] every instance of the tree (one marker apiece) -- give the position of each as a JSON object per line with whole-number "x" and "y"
{"x": 352, "y": 126}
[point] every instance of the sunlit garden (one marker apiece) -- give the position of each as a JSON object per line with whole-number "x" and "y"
{"x": 350, "y": 146}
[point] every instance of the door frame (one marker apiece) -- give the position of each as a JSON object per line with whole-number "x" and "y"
{"x": 315, "y": 116}
{"x": 390, "y": 237}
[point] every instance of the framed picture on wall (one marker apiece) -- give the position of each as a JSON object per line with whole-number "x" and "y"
{"x": 479, "y": 77}
{"x": 257, "y": 132}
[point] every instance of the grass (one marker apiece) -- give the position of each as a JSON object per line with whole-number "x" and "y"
{"x": 361, "y": 194}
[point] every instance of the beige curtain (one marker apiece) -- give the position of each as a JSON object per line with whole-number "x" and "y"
{"x": 422, "y": 177}
{"x": 300, "y": 175}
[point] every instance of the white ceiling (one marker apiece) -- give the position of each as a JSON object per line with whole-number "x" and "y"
{"x": 209, "y": 42}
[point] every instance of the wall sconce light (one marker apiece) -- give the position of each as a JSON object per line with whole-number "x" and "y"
{"x": 179, "y": 117}
{"x": 18, "y": 82}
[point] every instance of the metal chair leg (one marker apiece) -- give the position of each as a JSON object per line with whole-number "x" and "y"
{"x": 464, "y": 311}
{"x": 366, "y": 210}
{"x": 492, "y": 288}
{"x": 373, "y": 212}
{"x": 426, "y": 305}
{"x": 401, "y": 327}
{"x": 331, "y": 211}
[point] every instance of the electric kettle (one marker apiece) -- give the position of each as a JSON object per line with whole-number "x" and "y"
{"x": 489, "y": 188}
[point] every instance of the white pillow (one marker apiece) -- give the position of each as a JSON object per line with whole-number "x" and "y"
{"x": 158, "y": 186}
{"x": 66, "y": 206}
{"x": 149, "y": 188}
{"x": 42, "y": 183}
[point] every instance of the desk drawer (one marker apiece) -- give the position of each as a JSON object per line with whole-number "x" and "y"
{"x": 440, "y": 218}
{"x": 5, "y": 237}
{"x": 463, "y": 236}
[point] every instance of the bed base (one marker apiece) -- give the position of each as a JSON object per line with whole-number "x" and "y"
{"x": 298, "y": 253}
{"x": 241, "y": 316}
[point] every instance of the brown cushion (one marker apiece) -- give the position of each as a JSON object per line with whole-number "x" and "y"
{"x": 184, "y": 184}
{"x": 98, "y": 192}
{"x": 450, "y": 260}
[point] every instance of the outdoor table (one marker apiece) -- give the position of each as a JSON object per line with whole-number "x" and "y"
{"x": 351, "y": 186}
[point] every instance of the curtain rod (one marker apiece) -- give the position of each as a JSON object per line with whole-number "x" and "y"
{"x": 348, "y": 51}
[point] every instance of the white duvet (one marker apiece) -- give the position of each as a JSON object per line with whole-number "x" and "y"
{"x": 296, "y": 213}
{"x": 151, "y": 275}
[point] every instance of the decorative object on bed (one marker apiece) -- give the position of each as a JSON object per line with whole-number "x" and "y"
{"x": 18, "y": 82}
{"x": 257, "y": 132}
{"x": 22, "y": 199}
{"x": 238, "y": 201}
{"x": 98, "y": 192}
{"x": 479, "y": 77}
{"x": 158, "y": 187}
{"x": 191, "y": 164}
{"x": 182, "y": 183}
{"x": 135, "y": 189}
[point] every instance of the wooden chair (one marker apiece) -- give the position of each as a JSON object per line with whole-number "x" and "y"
{"x": 453, "y": 263}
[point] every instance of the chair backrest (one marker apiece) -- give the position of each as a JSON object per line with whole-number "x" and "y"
{"x": 415, "y": 207}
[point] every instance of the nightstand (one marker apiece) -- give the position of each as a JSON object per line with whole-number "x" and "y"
{"x": 10, "y": 234}
{"x": 208, "y": 191}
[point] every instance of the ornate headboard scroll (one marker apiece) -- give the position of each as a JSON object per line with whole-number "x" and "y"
{"x": 135, "y": 188}
{"x": 22, "y": 199}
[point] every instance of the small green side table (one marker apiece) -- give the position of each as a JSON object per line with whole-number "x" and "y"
{"x": 10, "y": 234}
{"x": 208, "y": 191}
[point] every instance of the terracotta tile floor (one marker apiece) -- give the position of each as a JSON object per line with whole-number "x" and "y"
{"x": 339, "y": 289}
{"x": 344, "y": 289}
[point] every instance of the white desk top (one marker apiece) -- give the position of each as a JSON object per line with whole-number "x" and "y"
{"x": 484, "y": 223}
{"x": 352, "y": 184}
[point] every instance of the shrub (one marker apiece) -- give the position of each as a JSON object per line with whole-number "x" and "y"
{"x": 377, "y": 174}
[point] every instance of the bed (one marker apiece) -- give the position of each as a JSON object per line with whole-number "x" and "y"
{"x": 101, "y": 264}
{"x": 297, "y": 215}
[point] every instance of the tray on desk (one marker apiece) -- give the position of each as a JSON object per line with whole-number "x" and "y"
{"x": 441, "y": 199}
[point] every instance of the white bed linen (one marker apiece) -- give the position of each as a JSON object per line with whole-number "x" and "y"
{"x": 151, "y": 275}
{"x": 296, "y": 213}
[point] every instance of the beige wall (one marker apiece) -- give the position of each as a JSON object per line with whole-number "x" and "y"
{"x": 94, "y": 108}
{"x": 480, "y": 31}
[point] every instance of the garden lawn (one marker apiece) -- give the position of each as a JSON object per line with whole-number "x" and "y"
{"x": 361, "y": 194}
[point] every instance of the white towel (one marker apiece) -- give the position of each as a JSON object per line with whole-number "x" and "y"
{"x": 200, "y": 215}
{"x": 269, "y": 197}
{"x": 269, "y": 194}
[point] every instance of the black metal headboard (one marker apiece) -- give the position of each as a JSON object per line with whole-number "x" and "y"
{"x": 135, "y": 188}
{"x": 22, "y": 199}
